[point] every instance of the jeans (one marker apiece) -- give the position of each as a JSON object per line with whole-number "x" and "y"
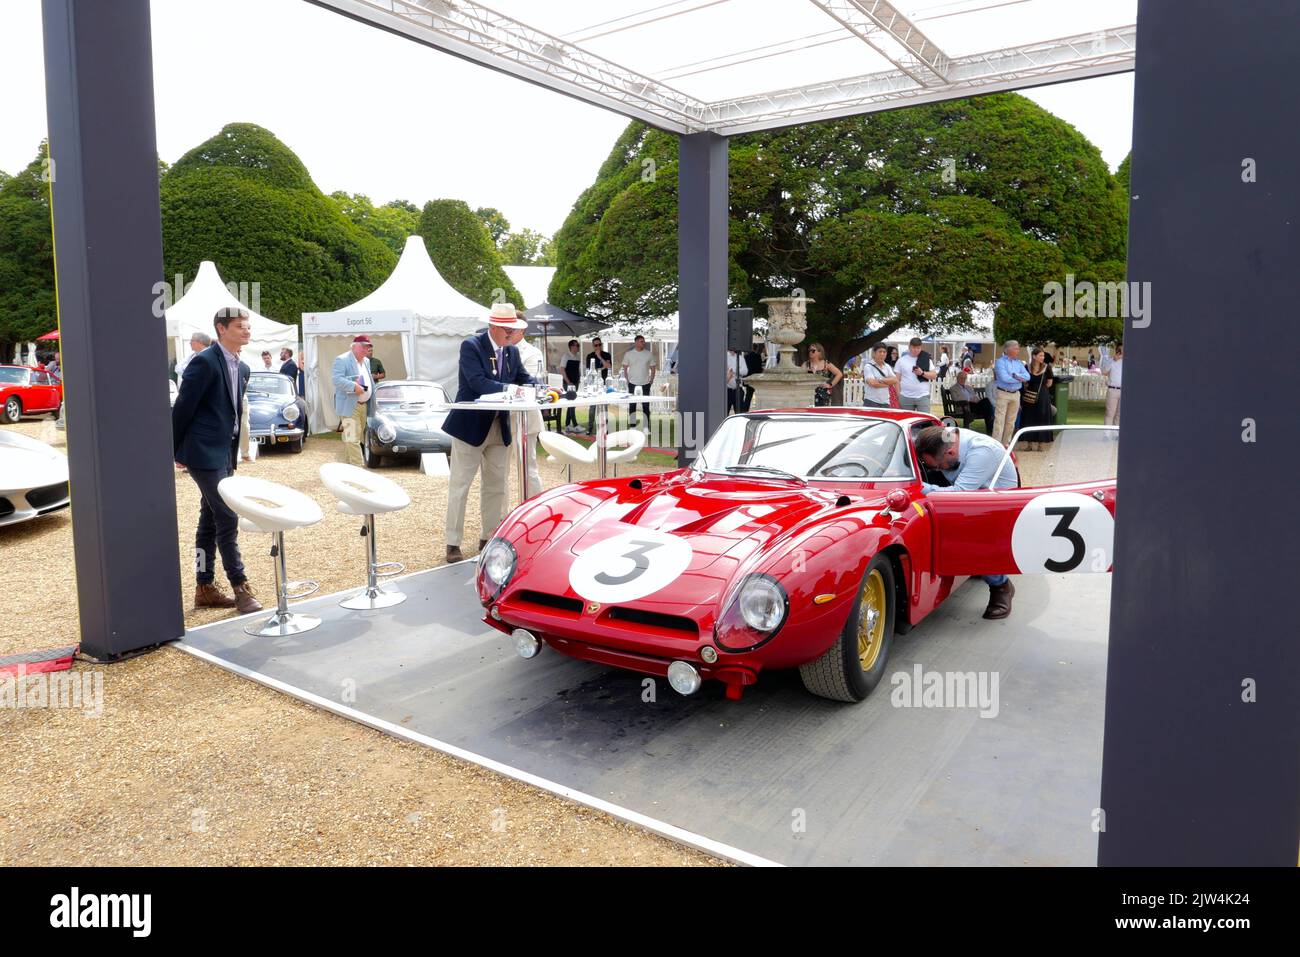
{"x": 645, "y": 406}
{"x": 218, "y": 530}
{"x": 570, "y": 418}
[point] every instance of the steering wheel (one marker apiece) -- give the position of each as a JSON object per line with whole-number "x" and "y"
{"x": 862, "y": 463}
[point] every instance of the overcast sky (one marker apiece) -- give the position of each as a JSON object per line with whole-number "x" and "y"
{"x": 369, "y": 112}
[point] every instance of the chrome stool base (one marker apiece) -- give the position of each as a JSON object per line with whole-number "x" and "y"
{"x": 284, "y": 622}
{"x": 281, "y": 625}
{"x": 373, "y": 598}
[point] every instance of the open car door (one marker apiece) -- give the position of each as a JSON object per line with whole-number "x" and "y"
{"x": 1061, "y": 519}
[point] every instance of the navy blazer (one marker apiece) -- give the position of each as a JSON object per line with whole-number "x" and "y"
{"x": 204, "y": 422}
{"x": 479, "y": 376}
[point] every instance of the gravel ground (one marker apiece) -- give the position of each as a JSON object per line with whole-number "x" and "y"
{"x": 189, "y": 764}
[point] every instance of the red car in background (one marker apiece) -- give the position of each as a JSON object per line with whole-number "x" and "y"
{"x": 799, "y": 538}
{"x": 26, "y": 390}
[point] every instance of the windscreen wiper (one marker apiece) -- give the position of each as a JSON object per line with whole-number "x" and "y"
{"x": 767, "y": 468}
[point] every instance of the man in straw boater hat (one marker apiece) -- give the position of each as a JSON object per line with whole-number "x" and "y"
{"x": 489, "y": 361}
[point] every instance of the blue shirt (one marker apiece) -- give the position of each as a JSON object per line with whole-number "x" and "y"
{"x": 978, "y": 458}
{"x": 1009, "y": 373}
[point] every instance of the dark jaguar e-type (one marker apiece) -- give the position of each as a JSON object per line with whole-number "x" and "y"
{"x": 276, "y": 415}
{"x": 405, "y": 419}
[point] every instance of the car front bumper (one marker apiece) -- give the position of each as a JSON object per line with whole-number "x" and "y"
{"x": 275, "y": 435}
{"x": 19, "y": 505}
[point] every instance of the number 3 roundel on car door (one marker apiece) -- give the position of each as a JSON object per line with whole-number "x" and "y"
{"x": 629, "y": 566}
{"x": 1063, "y": 532}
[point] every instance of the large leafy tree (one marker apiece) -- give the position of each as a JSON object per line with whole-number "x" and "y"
{"x": 461, "y": 247}
{"x": 916, "y": 217}
{"x": 27, "y": 305}
{"x": 527, "y": 248}
{"x": 245, "y": 201}
{"x": 495, "y": 222}
{"x": 390, "y": 223}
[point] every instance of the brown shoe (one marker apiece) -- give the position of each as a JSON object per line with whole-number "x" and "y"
{"x": 244, "y": 599}
{"x": 1000, "y": 601}
{"x": 210, "y": 596}
{"x": 453, "y": 554}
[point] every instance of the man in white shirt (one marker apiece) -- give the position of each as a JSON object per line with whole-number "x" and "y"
{"x": 639, "y": 367}
{"x": 877, "y": 376}
{"x": 737, "y": 369}
{"x": 1113, "y": 370}
{"x": 914, "y": 380}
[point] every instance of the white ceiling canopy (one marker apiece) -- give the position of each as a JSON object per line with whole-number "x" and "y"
{"x": 733, "y": 66}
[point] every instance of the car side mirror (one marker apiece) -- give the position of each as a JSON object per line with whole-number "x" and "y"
{"x": 897, "y": 500}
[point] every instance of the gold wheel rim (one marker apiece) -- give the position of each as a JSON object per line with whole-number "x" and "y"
{"x": 871, "y": 620}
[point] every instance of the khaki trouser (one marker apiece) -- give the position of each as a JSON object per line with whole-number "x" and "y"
{"x": 354, "y": 430}
{"x": 493, "y": 458}
{"x": 1006, "y": 407}
{"x": 1112, "y": 406}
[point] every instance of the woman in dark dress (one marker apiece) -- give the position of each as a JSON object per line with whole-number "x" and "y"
{"x": 823, "y": 368}
{"x": 1039, "y": 390}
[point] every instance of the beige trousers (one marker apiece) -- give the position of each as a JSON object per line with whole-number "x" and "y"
{"x": 354, "y": 430}
{"x": 493, "y": 458}
{"x": 1112, "y": 406}
{"x": 1005, "y": 409}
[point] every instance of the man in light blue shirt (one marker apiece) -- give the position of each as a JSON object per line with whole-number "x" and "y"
{"x": 970, "y": 461}
{"x": 1009, "y": 376}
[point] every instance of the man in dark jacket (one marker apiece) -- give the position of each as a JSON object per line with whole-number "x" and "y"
{"x": 205, "y": 437}
{"x": 289, "y": 367}
{"x": 489, "y": 362}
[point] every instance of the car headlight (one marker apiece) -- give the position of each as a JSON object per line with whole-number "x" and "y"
{"x": 290, "y": 412}
{"x": 762, "y": 603}
{"x": 497, "y": 565}
{"x": 386, "y": 431}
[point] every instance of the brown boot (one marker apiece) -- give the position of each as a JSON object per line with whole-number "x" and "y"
{"x": 210, "y": 596}
{"x": 453, "y": 554}
{"x": 244, "y": 599}
{"x": 1000, "y": 601}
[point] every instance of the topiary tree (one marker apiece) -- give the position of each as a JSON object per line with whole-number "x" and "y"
{"x": 461, "y": 247}
{"x": 27, "y": 301}
{"x": 915, "y": 217}
{"x": 245, "y": 201}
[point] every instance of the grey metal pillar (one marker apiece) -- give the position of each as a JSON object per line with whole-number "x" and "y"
{"x": 702, "y": 209}
{"x": 1202, "y": 740}
{"x": 108, "y": 245}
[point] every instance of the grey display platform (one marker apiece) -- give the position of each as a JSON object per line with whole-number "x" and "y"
{"x": 779, "y": 776}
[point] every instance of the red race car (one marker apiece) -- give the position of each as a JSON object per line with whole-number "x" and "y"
{"x": 798, "y": 538}
{"x": 25, "y": 390}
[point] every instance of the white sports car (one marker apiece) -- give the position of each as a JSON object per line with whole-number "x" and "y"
{"x": 33, "y": 478}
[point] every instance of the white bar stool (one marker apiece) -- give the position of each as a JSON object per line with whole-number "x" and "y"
{"x": 264, "y": 506}
{"x": 362, "y": 492}
{"x": 564, "y": 449}
{"x": 634, "y": 439}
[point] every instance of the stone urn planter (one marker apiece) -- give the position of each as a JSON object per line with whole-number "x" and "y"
{"x": 785, "y": 385}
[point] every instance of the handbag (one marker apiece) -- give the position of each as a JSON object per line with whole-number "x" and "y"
{"x": 1030, "y": 396}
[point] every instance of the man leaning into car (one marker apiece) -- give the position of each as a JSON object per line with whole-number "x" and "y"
{"x": 969, "y": 461}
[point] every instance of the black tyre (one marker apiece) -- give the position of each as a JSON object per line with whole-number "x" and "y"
{"x": 13, "y": 410}
{"x": 296, "y": 445}
{"x": 854, "y": 665}
{"x": 372, "y": 459}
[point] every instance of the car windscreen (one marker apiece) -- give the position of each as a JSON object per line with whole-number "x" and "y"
{"x": 274, "y": 384}
{"x": 13, "y": 376}
{"x": 812, "y": 447}
{"x": 400, "y": 396}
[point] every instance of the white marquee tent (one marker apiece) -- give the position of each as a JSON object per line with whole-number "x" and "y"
{"x": 193, "y": 313}
{"x": 415, "y": 319}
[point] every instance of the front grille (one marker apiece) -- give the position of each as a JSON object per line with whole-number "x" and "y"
{"x": 558, "y": 602}
{"x": 6, "y": 507}
{"x": 654, "y": 619}
{"x": 47, "y": 495}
